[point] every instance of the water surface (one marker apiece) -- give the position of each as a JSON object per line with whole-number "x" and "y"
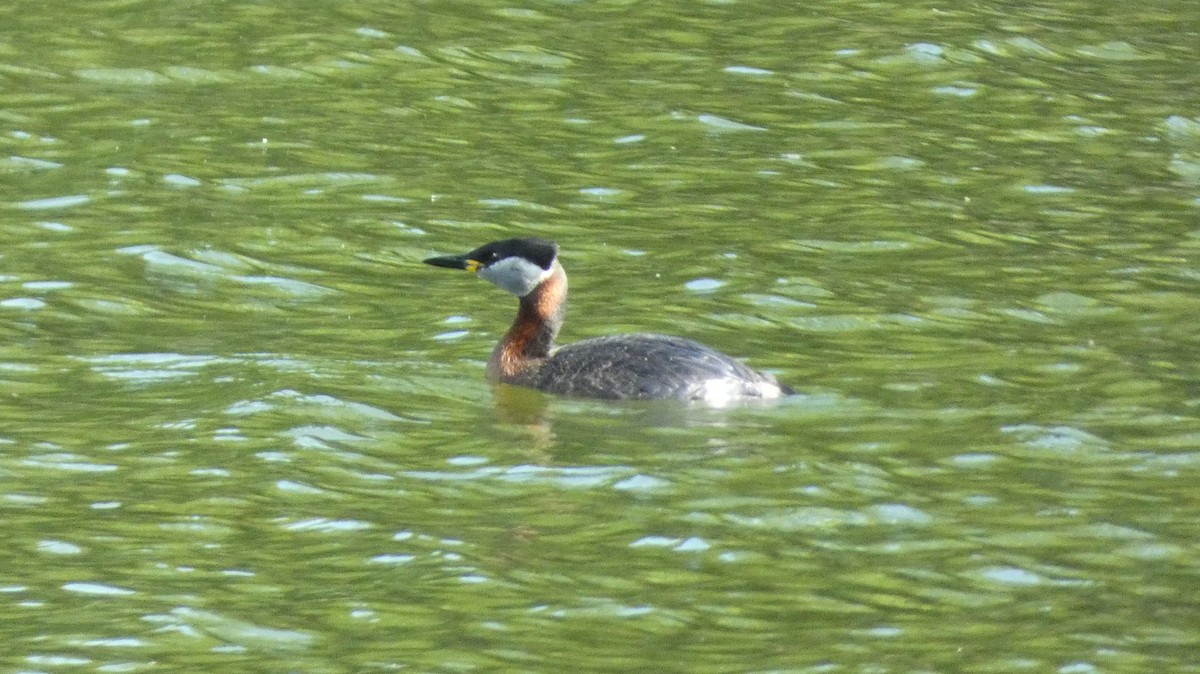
{"x": 244, "y": 429}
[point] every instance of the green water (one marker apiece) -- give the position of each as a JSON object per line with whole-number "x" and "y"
{"x": 244, "y": 430}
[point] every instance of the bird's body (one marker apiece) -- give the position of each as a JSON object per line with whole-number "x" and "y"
{"x": 648, "y": 366}
{"x": 617, "y": 367}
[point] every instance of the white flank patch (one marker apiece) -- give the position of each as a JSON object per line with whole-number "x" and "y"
{"x": 726, "y": 392}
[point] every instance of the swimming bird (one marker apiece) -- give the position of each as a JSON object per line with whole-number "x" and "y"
{"x": 616, "y": 367}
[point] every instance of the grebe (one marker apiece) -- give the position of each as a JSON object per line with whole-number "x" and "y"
{"x": 631, "y": 366}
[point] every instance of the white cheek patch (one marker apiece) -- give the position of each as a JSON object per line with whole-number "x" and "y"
{"x": 515, "y": 274}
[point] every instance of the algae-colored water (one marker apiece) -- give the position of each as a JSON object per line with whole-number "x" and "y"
{"x": 243, "y": 429}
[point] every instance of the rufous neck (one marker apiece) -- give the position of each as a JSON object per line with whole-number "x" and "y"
{"x": 540, "y": 315}
{"x": 527, "y": 343}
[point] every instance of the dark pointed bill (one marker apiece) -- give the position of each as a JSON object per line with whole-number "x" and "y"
{"x": 454, "y": 262}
